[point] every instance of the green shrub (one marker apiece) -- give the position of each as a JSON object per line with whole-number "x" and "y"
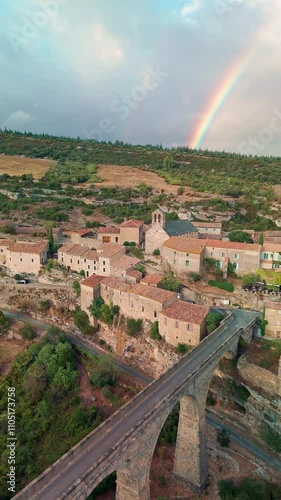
{"x": 194, "y": 276}
{"x": 77, "y": 288}
{"x": 105, "y": 373}
{"x": 170, "y": 283}
{"x": 4, "y": 323}
{"x": 223, "y": 285}
{"x": 134, "y": 326}
{"x": 81, "y": 320}
{"x": 271, "y": 437}
{"x": 156, "y": 252}
{"x": 27, "y": 331}
{"x": 182, "y": 348}
{"x": 154, "y": 332}
{"x": 45, "y": 305}
{"x": 213, "y": 320}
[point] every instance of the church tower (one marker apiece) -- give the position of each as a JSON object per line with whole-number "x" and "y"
{"x": 159, "y": 217}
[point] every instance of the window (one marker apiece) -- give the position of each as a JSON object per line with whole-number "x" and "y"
{"x": 236, "y": 256}
{"x": 62, "y": 259}
{"x": 174, "y": 261}
{"x": 142, "y": 309}
{"x": 155, "y": 314}
{"x": 21, "y": 259}
{"x": 85, "y": 260}
{"x": 190, "y": 328}
{"x": 187, "y": 263}
{"x": 94, "y": 262}
{"x": 223, "y": 254}
{"x": 70, "y": 261}
{"x": 95, "y": 268}
{"x": 187, "y": 254}
{"x": 1, "y": 250}
{"x": 103, "y": 263}
{"x": 175, "y": 253}
{"x": 219, "y": 263}
{"x": 89, "y": 267}
{"x": 78, "y": 261}
{"x": 235, "y": 266}
{"x": 116, "y": 239}
{"x": 266, "y": 256}
{"x": 103, "y": 270}
{"x": 32, "y": 260}
{"x": 176, "y": 324}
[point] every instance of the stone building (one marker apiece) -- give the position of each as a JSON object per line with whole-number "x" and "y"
{"x": 270, "y": 256}
{"x": 26, "y": 257}
{"x": 162, "y": 230}
{"x": 273, "y": 317}
{"x": 244, "y": 257}
{"x": 130, "y": 231}
{"x": 146, "y": 302}
{"x": 152, "y": 280}
{"x": 100, "y": 261}
{"x": 90, "y": 290}
{"x": 183, "y": 255}
{"x": 208, "y": 229}
{"x": 183, "y": 323}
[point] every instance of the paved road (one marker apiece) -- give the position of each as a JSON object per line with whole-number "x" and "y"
{"x": 249, "y": 445}
{"x": 78, "y": 342}
{"x": 115, "y": 430}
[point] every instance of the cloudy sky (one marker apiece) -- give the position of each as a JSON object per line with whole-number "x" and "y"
{"x": 176, "y": 72}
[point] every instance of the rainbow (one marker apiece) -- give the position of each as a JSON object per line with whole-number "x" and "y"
{"x": 222, "y": 92}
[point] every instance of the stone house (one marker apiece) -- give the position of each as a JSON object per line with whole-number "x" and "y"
{"x": 183, "y": 323}
{"x": 152, "y": 280}
{"x": 114, "y": 291}
{"x": 146, "y": 302}
{"x": 244, "y": 257}
{"x": 183, "y": 255}
{"x": 208, "y": 229}
{"x": 270, "y": 256}
{"x": 121, "y": 266}
{"x": 162, "y": 230}
{"x": 130, "y": 231}
{"x": 273, "y": 317}
{"x": 26, "y": 257}
{"x": 90, "y": 290}
{"x": 78, "y": 258}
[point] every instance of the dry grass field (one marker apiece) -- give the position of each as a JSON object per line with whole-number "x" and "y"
{"x": 130, "y": 177}
{"x": 17, "y": 165}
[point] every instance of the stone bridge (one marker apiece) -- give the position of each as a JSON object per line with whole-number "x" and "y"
{"x": 125, "y": 443}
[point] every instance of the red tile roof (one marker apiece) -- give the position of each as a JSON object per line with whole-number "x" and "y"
{"x": 125, "y": 262}
{"x": 5, "y": 243}
{"x": 271, "y": 247}
{"x": 108, "y": 230}
{"x": 92, "y": 281}
{"x": 132, "y": 223}
{"x": 134, "y": 273}
{"x": 183, "y": 311}
{"x": 116, "y": 284}
{"x": 152, "y": 279}
{"x": 232, "y": 245}
{"x": 186, "y": 245}
{"x": 149, "y": 292}
{"x": 33, "y": 248}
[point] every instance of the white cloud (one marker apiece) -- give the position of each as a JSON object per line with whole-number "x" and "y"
{"x": 18, "y": 120}
{"x": 105, "y": 46}
{"x": 191, "y": 7}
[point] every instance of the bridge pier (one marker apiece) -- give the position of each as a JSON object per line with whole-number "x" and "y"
{"x": 190, "y": 465}
{"x": 133, "y": 482}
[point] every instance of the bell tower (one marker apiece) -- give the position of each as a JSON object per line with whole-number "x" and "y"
{"x": 159, "y": 217}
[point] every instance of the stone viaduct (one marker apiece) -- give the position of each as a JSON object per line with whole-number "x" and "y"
{"x": 125, "y": 443}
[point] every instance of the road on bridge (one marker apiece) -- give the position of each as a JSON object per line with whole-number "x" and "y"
{"x": 115, "y": 430}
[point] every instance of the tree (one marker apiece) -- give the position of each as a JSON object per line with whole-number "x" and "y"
{"x": 223, "y": 437}
{"x": 82, "y": 322}
{"x": 170, "y": 283}
{"x": 210, "y": 265}
{"x": 4, "y": 323}
{"x": 261, "y": 239}
{"x": 240, "y": 237}
{"x": 168, "y": 162}
{"x": 156, "y": 252}
{"x": 183, "y": 348}
{"x": 77, "y": 288}
{"x": 95, "y": 307}
{"x": 213, "y": 320}
{"x": 104, "y": 373}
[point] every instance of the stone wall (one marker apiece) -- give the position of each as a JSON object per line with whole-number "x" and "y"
{"x": 258, "y": 377}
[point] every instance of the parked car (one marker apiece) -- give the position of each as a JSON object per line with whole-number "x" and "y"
{"x": 22, "y": 282}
